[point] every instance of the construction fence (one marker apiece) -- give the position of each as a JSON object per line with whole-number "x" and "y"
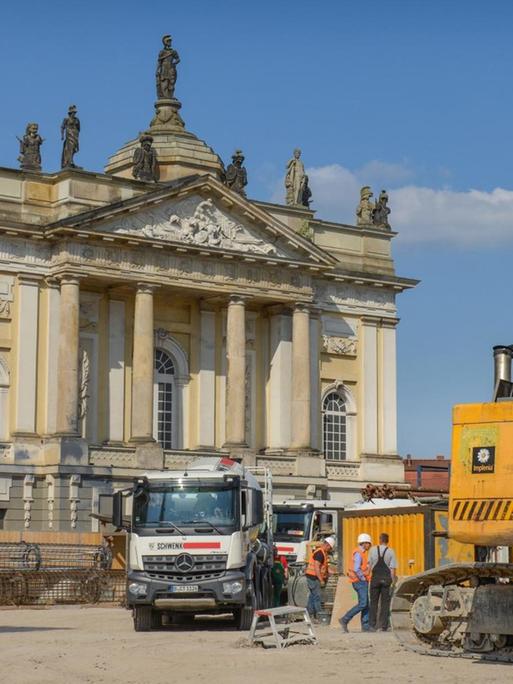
{"x": 49, "y": 568}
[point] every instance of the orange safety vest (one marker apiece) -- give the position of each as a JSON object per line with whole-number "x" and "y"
{"x": 353, "y": 577}
{"x": 310, "y": 570}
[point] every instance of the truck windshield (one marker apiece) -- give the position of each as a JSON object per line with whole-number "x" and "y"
{"x": 291, "y": 526}
{"x": 208, "y": 507}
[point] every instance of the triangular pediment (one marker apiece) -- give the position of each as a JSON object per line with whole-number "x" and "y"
{"x": 203, "y": 213}
{"x": 199, "y": 221}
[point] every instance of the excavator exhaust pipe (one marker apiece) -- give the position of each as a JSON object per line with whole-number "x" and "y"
{"x": 502, "y": 371}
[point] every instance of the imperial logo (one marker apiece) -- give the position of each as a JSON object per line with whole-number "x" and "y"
{"x": 483, "y": 460}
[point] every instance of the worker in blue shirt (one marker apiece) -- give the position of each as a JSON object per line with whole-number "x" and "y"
{"x": 359, "y": 575}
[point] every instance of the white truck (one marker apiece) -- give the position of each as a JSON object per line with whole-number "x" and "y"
{"x": 194, "y": 543}
{"x": 295, "y": 523}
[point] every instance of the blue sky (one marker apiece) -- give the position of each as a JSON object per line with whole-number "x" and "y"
{"x": 410, "y": 95}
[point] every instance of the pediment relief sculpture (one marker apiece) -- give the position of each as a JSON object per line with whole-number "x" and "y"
{"x": 195, "y": 221}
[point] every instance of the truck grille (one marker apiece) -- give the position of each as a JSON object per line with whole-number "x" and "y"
{"x": 178, "y": 568}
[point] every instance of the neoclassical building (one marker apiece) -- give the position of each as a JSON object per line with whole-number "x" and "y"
{"x": 143, "y": 323}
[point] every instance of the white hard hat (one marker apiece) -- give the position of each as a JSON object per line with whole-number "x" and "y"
{"x": 363, "y": 537}
{"x": 330, "y": 541}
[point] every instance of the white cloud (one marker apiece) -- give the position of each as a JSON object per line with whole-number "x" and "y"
{"x": 419, "y": 214}
{"x": 377, "y": 172}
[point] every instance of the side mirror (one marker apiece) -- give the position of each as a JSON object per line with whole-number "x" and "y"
{"x": 117, "y": 510}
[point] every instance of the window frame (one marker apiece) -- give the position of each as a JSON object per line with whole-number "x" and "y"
{"x": 160, "y": 380}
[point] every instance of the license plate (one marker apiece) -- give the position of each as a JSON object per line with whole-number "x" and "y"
{"x": 183, "y": 588}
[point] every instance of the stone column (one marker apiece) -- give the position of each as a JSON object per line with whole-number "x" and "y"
{"x": 26, "y": 357}
{"x": 67, "y": 375}
{"x": 142, "y": 365}
{"x": 388, "y": 388}
{"x": 301, "y": 378}
{"x": 236, "y": 373}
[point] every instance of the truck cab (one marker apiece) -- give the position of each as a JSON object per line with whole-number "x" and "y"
{"x": 296, "y": 523}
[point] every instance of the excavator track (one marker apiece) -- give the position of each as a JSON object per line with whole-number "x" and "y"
{"x": 412, "y": 588}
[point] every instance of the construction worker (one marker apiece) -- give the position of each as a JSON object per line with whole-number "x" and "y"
{"x": 383, "y": 565}
{"x": 359, "y": 575}
{"x": 317, "y": 572}
{"x": 278, "y": 577}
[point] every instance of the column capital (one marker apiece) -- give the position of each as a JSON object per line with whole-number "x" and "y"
{"x": 315, "y": 312}
{"x": 370, "y": 320}
{"x": 68, "y": 278}
{"x": 52, "y": 283}
{"x": 146, "y": 288}
{"x": 29, "y": 279}
{"x": 302, "y": 307}
{"x": 208, "y": 306}
{"x": 238, "y": 299}
{"x": 278, "y": 310}
{"x": 389, "y": 322}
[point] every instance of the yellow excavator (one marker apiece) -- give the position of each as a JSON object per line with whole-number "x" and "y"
{"x": 466, "y": 610}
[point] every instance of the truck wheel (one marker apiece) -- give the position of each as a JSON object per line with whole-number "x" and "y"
{"x": 244, "y": 615}
{"x": 146, "y": 619}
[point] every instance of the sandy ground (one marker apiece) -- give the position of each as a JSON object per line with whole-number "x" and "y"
{"x": 74, "y": 645}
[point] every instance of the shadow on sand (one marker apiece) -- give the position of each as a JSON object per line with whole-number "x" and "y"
{"x": 4, "y": 629}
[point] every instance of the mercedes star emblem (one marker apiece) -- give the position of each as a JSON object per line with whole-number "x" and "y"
{"x": 184, "y": 562}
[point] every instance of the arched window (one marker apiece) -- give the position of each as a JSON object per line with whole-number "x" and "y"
{"x": 164, "y": 394}
{"x": 334, "y": 427}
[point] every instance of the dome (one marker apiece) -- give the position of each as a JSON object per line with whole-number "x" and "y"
{"x": 179, "y": 152}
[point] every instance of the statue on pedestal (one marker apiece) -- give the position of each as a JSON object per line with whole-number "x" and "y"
{"x": 236, "y": 176}
{"x": 166, "y": 70}
{"x": 30, "y": 148}
{"x": 305, "y": 193}
{"x": 146, "y": 166}
{"x": 294, "y": 179}
{"x": 365, "y": 210}
{"x": 381, "y": 211}
{"x": 70, "y": 131}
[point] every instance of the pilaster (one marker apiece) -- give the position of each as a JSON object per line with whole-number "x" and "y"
{"x": 26, "y": 356}
{"x": 369, "y": 385}
{"x": 116, "y": 381}
{"x": 301, "y": 377}
{"x": 280, "y": 372}
{"x": 388, "y": 388}
{"x": 207, "y": 378}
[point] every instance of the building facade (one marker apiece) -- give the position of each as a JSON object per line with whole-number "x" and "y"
{"x": 143, "y": 323}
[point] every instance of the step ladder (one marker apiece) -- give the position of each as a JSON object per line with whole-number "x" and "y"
{"x": 283, "y": 626}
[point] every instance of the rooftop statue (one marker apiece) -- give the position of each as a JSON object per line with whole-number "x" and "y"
{"x": 305, "y": 194}
{"x": 166, "y": 70}
{"x": 70, "y": 131}
{"x": 294, "y": 179}
{"x": 236, "y": 175}
{"x": 146, "y": 166}
{"x": 381, "y": 211}
{"x": 30, "y": 149}
{"x": 365, "y": 210}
